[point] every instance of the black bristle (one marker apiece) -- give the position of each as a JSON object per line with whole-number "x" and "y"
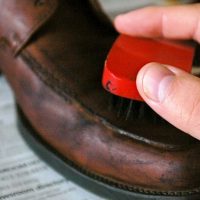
{"x": 141, "y": 111}
{"x": 120, "y": 105}
{"x": 127, "y": 109}
{"x": 196, "y": 59}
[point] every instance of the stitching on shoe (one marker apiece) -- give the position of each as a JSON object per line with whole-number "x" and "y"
{"x": 58, "y": 88}
{"x": 41, "y": 73}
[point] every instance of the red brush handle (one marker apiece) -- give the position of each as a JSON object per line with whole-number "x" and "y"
{"x": 129, "y": 54}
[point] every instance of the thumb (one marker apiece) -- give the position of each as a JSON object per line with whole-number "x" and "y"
{"x": 173, "y": 94}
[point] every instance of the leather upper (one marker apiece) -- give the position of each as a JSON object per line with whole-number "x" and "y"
{"x": 56, "y": 76}
{"x": 19, "y": 20}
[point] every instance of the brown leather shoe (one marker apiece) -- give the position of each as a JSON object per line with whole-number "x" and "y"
{"x": 53, "y": 52}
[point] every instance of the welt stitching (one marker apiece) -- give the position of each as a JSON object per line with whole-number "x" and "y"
{"x": 58, "y": 88}
{"x": 111, "y": 182}
{"x": 41, "y": 72}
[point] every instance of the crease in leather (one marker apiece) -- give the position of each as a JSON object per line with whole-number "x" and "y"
{"x": 24, "y": 20}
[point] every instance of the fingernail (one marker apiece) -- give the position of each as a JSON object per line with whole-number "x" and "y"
{"x": 156, "y": 82}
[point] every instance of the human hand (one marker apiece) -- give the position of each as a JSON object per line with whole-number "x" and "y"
{"x": 171, "y": 92}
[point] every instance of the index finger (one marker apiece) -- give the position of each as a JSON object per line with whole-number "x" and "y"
{"x": 172, "y": 22}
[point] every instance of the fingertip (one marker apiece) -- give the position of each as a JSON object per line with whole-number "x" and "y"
{"x": 119, "y": 23}
{"x": 135, "y": 23}
{"x": 153, "y": 81}
{"x": 140, "y": 77}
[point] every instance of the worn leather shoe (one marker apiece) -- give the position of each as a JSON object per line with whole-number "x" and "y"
{"x": 53, "y": 52}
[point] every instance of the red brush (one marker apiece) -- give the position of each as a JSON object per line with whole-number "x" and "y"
{"x": 129, "y": 54}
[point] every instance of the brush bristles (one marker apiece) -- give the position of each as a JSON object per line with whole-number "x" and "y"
{"x": 127, "y": 109}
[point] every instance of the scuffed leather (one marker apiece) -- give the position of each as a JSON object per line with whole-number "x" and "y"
{"x": 82, "y": 138}
{"x": 56, "y": 79}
